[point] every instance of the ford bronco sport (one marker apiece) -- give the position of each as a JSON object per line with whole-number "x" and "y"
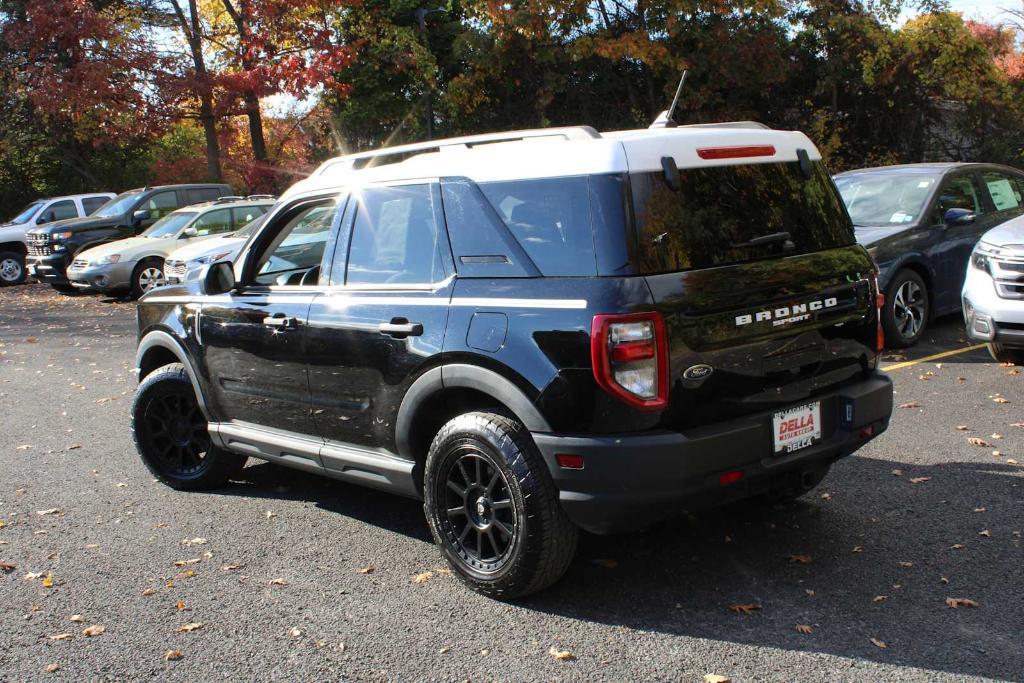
{"x": 535, "y": 333}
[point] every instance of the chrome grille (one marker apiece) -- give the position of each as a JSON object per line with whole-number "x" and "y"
{"x": 1008, "y": 274}
{"x": 174, "y": 268}
{"x": 38, "y": 245}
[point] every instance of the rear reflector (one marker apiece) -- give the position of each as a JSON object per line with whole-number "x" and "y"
{"x": 736, "y": 152}
{"x": 569, "y": 461}
{"x": 867, "y": 431}
{"x": 732, "y": 477}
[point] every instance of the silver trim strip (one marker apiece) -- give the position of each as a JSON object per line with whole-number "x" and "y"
{"x": 478, "y": 302}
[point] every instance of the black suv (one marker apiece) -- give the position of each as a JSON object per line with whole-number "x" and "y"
{"x": 637, "y": 326}
{"x": 53, "y": 247}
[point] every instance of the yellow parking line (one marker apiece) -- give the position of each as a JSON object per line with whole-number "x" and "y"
{"x": 944, "y": 354}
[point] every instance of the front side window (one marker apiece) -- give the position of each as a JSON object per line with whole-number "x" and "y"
{"x": 1004, "y": 190}
{"x": 959, "y": 192}
{"x": 213, "y": 222}
{"x": 735, "y": 214}
{"x": 293, "y": 257}
{"x": 245, "y": 215}
{"x": 62, "y": 211}
{"x": 202, "y": 194}
{"x": 395, "y": 239}
{"x": 169, "y": 225}
{"x": 160, "y": 204}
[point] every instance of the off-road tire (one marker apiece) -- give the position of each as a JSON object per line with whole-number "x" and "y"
{"x": 166, "y": 400}
{"x": 1006, "y": 354}
{"x": 543, "y": 541}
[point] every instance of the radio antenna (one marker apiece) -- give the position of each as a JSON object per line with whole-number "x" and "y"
{"x": 670, "y": 122}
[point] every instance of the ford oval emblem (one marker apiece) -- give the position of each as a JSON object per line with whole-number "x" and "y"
{"x": 698, "y": 372}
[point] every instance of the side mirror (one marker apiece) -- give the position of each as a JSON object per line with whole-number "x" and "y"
{"x": 217, "y": 278}
{"x": 959, "y": 217}
{"x": 189, "y": 232}
{"x": 140, "y": 216}
{"x": 45, "y": 218}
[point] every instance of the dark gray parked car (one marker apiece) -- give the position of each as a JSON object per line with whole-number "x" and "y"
{"x": 920, "y": 223}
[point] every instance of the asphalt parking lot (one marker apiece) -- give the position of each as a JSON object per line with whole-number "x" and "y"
{"x": 277, "y": 568}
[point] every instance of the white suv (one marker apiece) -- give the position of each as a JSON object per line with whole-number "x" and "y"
{"x": 993, "y": 293}
{"x": 39, "y": 212}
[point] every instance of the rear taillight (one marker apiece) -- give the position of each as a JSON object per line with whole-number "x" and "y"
{"x": 879, "y": 305}
{"x": 629, "y": 354}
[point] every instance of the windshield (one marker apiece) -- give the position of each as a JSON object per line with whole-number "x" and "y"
{"x": 169, "y": 225}
{"x": 249, "y": 228}
{"x": 117, "y": 206}
{"x": 27, "y": 213}
{"x": 736, "y": 214}
{"x": 885, "y": 199}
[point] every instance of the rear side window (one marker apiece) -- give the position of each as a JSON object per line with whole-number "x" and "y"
{"x": 246, "y": 215}
{"x": 1004, "y": 190}
{"x": 201, "y": 194}
{"x": 90, "y": 204}
{"x": 395, "y": 239}
{"x": 735, "y": 214}
{"x": 551, "y": 220}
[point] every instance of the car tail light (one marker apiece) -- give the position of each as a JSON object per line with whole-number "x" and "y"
{"x": 629, "y": 354}
{"x": 736, "y": 152}
{"x": 879, "y": 305}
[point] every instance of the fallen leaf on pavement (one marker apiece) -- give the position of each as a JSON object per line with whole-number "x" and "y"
{"x": 51, "y": 511}
{"x": 957, "y": 546}
{"x": 857, "y": 549}
{"x": 561, "y": 655}
{"x": 975, "y": 441}
{"x": 800, "y": 559}
{"x": 423, "y": 577}
{"x": 744, "y": 609}
{"x": 149, "y": 591}
{"x": 182, "y": 563}
{"x": 194, "y": 541}
{"x": 94, "y": 630}
{"x": 61, "y": 636}
{"x": 32, "y": 576}
{"x": 171, "y": 655}
{"x": 804, "y": 628}
{"x": 963, "y": 428}
{"x": 898, "y": 473}
{"x": 920, "y": 480}
{"x": 180, "y": 605}
{"x": 188, "y": 628}
{"x": 879, "y": 643}
{"x": 369, "y": 569}
{"x": 906, "y": 564}
{"x": 910, "y": 404}
{"x": 295, "y": 633}
{"x": 1000, "y": 399}
{"x": 7, "y": 567}
{"x": 985, "y": 532}
{"x": 279, "y": 582}
{"x": 880, "y": 598}
{"x": 50, "y": 668}
{"x": 48, "y": 581}
{"x": 960, "y": 602}
{"x": 77, "y": 618}
{"x": 231, "y": 567}
{"x": 715, "y": 678}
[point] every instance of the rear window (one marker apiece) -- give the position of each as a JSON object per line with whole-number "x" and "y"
{"x": 736, "y": 214}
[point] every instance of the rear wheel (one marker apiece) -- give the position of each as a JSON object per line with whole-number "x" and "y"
{"x": 12, "y": 268}
{"x": 171, "y": 434}
{"x": 493, "y": 509}
{"x": 905, "y": 315}
{"x": 148, "y": 275}
{"x": 1006, "y": 354}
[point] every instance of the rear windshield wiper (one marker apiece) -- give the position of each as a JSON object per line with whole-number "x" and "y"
{"x": 771, "y": 238}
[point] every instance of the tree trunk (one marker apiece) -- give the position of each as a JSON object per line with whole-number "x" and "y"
{"x": 192, "y": 29}
{"x": 249, "y": 97}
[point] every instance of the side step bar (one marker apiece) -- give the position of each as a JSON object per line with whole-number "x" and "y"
{"x": 339, "y": 461}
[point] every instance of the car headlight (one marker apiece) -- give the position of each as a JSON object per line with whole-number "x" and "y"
{"x": 206, "y": 260}
{"x": 980, "y": 258}
{"x": 111, "y": 258}
{"x": 58, "y": 236}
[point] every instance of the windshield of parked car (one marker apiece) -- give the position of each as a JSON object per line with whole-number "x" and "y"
{"x": 118, "y": 205}
{"x": 885, "y": 199}
{"x": 27, "y": 213}
{"x": 169, "y": 225}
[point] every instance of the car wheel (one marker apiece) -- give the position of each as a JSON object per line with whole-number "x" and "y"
{"x": 493, "y": 509}
{"x": 148, "y": 275}
{"x": 1006, "y": 354}
{"x": 12, "y": 268}
{"x": 905, "y": 315}
{"x": 171, "y": 436}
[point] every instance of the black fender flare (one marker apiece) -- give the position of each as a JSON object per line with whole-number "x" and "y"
{"x": 460, "y": 375}
{"x": 163, "y": 340}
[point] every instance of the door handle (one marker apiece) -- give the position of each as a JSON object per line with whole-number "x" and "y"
{"x": 281, "y": 322}
{"x": 400, "y": 328}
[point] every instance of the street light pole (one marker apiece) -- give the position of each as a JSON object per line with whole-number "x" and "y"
{"x": 421, "y": 15}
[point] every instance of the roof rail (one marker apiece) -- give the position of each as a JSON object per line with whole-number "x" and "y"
{"x": 228, "y": 198}
{"x": 728, "y": 124}
{"x": 260, "y": 196}
{"x": 363, "y": 159}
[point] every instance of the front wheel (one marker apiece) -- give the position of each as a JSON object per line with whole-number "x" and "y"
{"x": 905, "y": 315}
{"x": 12, "y": 268}
{"x": 148, "y": 275}
{"x": 493, "y": 509}
{"x": 171, "y": 434}
{"x": 1006, "y": 354}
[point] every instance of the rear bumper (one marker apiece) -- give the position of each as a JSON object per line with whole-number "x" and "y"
{"x": 631, "y": 481}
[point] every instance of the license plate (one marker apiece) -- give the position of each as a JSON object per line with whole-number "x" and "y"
{"x": 796, "y": 428}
